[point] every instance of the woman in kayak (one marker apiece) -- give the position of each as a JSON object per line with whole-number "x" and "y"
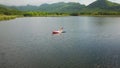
{"x": 58, "y": 31}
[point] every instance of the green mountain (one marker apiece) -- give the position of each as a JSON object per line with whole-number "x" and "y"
{"x": 98, "y": 7}
{"x": 103, "y": 5}
{"x": 70, "y": 7}
{"x": 55, "y": 7}
{"x": 5, "y": 10}
{"x": 26, "y": 8}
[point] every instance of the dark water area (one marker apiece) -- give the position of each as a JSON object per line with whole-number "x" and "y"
{"x": 89, "y": 42}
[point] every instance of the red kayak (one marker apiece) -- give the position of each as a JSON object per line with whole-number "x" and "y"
{"x": 56, "y": 32}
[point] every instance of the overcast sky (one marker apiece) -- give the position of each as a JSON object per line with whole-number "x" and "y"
{"x": 39, "y": 2}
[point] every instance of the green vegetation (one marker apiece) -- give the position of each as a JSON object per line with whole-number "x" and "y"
{"x": 103, "y": 5}
{"x": 6, "y": 17}
{"x": 99, "y": 7}
{"x": 60, "y": 7}
{"x": 101, "y": 13}
{"x": 71, "y": 7}
{"x": 4, "y": 10}
{"x": 44, "y": 14}
{"x": 7, "y": 13}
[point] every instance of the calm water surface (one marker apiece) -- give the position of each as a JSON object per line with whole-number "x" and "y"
{"x": 89, "y": 42}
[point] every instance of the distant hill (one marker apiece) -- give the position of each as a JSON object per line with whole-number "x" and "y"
{"x": 103, "y": 5}
{"x": 55, "y": 7}
{"x": 62, "y": 7}
{"x": 26, "y": 8}
{"x": 72, "y": 7}
{"x": 5, "y": 10}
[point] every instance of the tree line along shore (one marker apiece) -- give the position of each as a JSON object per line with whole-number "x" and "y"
{"x": 10, "y": 15}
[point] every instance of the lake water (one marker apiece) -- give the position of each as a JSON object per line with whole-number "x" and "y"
{"x": 89, "y": 42}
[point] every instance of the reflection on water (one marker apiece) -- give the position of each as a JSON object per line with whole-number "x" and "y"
{"x": 89, "y": 42}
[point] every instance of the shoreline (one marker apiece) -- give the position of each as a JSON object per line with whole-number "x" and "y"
{"x": 9, "y": 17}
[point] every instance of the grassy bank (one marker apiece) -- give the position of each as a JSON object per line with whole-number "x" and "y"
{"x": 7, "y": 17}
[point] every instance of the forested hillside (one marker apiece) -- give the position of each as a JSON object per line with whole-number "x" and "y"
{"x": 99, "y": 7}
{"x": 5, "y": 10}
